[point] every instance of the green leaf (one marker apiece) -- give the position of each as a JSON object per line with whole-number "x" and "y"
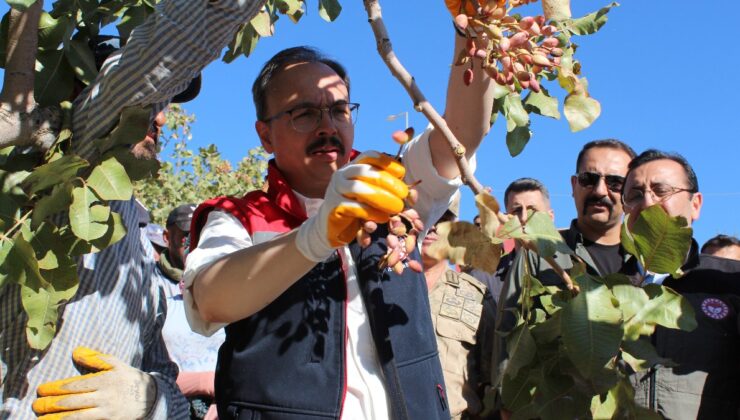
{"x": 488, "y": 209}
{"x": 581, "y": 111}
{"x": 512, "y": 229}
{"x": 53, "y": 173}
{"x": 52, "y": 31}
{"x": 136, "y": 169}
{"x": 133, "y": 17}
{"x": 110, "y": 182}
{"x": 21, "y": 5}
{"x": 517, "y": 392}
{"x": 514, "y": 110}
{"x": 641, "y": 355}
{"x": 464, "y": 244}
{"x": 541, "y": 229}
{"x": 262, "y": 23}
{"x": 8, "y": 269}
{"x": 54, "y": 79}
{"x": 116, "y": 231}
{"x": 558, "y": 397}
{"x": 547, "y": 331}
{"x": 521, "y": 348}
{"x": 132, "y": 128}
{"x": 500, "y": 92}
{"x": 660, "y": 242}
{"x": 543, "y": 104}
{"x": 590, "y": 23}
{"x": 59, "y": 199}
{"x": 329, "y": 9}
{"x": 291, "y": 8}
{"x": 591, "y": 326}
{"x": 88, "y": 222}
{"x": 81, "y": 59}
{"x": 249, "y": 40}
{"x": 517, "y": 138}
{"x": 631, "y": 300}
{"x": 667, "y": 308}
{"x": 42, "y": 304}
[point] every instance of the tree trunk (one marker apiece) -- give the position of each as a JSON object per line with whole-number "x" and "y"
{"x": 22, "y": 121}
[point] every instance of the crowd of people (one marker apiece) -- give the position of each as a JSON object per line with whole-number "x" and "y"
{"x": 266, "y": 306}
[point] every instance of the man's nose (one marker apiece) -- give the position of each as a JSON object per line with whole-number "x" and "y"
{"x": 600, "y": 188}
{"x": 327, "y": 126}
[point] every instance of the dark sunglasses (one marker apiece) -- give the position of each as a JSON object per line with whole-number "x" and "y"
{"x": 591, "y": 179}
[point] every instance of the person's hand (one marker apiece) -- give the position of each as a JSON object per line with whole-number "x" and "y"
{"x": 370, "y": 188}
{"x": 456, "y": 6}
{"x": 115, "y": 391}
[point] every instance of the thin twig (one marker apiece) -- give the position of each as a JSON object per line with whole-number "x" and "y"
{"x": 562, "y": 273}
{"x": 385, "y": 49}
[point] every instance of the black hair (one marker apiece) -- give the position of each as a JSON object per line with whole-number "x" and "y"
{"x": 283, "y": 59}
{"x": 525, "y": 184}
{"x": 720, "y": 241}
{"x": 608, "y": 143}
{"x": 651, "y": 155}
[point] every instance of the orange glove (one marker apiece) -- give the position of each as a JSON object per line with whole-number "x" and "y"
{"x": 116, "y": 391}
{"x": 370, "y": 188}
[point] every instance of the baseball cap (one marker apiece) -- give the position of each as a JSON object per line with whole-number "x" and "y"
{"x": 105, "y": 45}
{"x": 154, "y": 233}
{"x": 181, "y": 217}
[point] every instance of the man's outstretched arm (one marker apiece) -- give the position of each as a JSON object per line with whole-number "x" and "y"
{"x": 467, "y": 113}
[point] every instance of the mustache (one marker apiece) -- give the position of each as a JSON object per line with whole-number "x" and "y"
{"x": 605, "y": 201}
{"x": 322, "y": 142}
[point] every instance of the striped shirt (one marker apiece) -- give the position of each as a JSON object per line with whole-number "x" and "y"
{"x": 119, "y": 308}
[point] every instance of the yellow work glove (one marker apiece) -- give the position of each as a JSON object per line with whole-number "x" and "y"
{"x": 114, "y": 391}
{"x": 370, "y": 188}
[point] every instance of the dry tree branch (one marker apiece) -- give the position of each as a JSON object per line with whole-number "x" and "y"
{"x": 385, "y": 49}
{"x": 22, "y": 121}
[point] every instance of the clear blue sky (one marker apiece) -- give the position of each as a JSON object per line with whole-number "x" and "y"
{"x": 662, "y": 70}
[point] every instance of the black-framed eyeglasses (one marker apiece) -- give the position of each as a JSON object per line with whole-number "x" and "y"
{"x": 591, "y": 179}
{"x": 660, "y": 192}
{"x": 305, "y": 119}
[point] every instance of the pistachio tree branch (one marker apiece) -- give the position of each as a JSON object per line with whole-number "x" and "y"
{"x": 385, "y": 49}
{"x": 22, "y": 121}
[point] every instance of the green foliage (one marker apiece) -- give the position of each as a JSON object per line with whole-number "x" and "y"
{"x": 566, "y": 344}
{"x": 55, "y": 207}
{"x": 660, "y": 241}
{"x": 194, "y": 176}
{"x": 263, "y": 24}
{"x": 579, "y": 108}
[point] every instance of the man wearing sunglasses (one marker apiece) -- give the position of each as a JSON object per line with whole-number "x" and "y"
{"x": 594, "y": 235}
{"x": 705, "y": 382}
{"x": 315, "y": 327}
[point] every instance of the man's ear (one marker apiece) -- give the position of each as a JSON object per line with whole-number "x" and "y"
{"x": 166, "y": 237}
{"x": 263, "y": 131}
{"x": 696, "y": 201}
{"x": 551, "y": 212}
{"x": 573, "y": 182}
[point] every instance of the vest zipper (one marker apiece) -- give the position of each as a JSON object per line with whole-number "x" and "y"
{"x": 441, "y": 395}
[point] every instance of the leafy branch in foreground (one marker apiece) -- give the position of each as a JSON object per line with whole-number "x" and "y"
{"x": 54, "y": 204}
{"x": 571, "y": 351}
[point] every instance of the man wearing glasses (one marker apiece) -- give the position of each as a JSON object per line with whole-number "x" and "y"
{"x": 315, "y": 327}
{"x": 705, "y": 381}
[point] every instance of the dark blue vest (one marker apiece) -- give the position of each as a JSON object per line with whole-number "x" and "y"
{"x": 287, "y": 361}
